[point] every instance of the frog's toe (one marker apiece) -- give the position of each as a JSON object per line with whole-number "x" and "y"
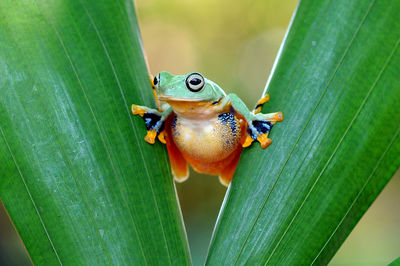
{"x": 260, "y": 104}
{"x": 264, "y": 140}
{"x": 273, "y": 117}
{"x": 278, "y": 117}
{"x": 161, "y": 137}
{"x": 151, "y": 136}
{"x": 138, "y": 110}
{"x": 248, "y": 141}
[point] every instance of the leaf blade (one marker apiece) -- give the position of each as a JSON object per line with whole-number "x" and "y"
{"x": 80, "y": 66}
{"x": 326, "y": 54}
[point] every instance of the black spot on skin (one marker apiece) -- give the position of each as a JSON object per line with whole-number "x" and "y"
{"x": 258, "y": 105}
{"x": 174, "y": 122}
{"x": 250, "y": 132}
{"x": 215, "y": 103}
{"x": 262, "y": 127}
{"x": 151, "y": 120}
{"x": 229, "y": 118}
{"x": 161, "y": 127}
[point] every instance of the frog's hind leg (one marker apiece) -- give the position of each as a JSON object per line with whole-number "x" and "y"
{"x": 259, "y": 129}
{"x": 226, "y": 174}
{"x": 179, "y": 166}
{"x": 153, "y": 120}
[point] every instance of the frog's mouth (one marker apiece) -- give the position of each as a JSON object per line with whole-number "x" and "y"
{"x": 180, "y": 99}
{"x": 192, "y": 108}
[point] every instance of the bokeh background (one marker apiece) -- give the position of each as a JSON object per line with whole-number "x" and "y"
{"x": 235, "y": 45}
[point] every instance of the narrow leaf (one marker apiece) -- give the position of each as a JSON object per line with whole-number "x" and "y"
{"x": 337, "y": 82}
{"x": 79, "y": 182}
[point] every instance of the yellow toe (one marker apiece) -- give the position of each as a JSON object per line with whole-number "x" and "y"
{"x": 151, "y": 136}
{"x": 279, "y": 117}
{"x": 161, "y": 137}
{"x": 264, "y": 140}
{"x": 137, "y": 110}
{"x": 247, "y": 142}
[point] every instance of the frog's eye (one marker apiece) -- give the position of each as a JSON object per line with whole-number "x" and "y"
{"x": 195, "y": 82}
{"x": 156, "y": 80}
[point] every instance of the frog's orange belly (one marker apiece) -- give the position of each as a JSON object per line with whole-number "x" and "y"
{"x": 209, "y": 145}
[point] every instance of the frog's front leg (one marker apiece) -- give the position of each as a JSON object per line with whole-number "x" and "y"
{"x": 154, "y": 121}
{"x": 258, "y": 124}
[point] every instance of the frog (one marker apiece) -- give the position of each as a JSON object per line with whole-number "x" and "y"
{"x": 202, "y": 126}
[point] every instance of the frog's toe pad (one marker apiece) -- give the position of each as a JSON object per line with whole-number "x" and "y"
{"x": 264, "y": 140}
{"x": 137, "y": 110}
{"x": 151, "y": 136}
{"x": 278, "y": 117}
{"x": 248, "y": 141}
{"x": 260, "y": 104}
{"x": 161, "y": 137}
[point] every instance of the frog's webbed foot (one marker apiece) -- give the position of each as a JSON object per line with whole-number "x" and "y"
{"x": 154, "y": 123}
{"x": 259, "y": 128}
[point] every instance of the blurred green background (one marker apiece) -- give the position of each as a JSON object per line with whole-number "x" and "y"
{"x": 235, "y": 45}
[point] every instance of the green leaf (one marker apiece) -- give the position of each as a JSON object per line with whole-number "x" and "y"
{"x": 396, "y": 262}
{"x": 337, "y": 82}
{"x": 80, "y": 184}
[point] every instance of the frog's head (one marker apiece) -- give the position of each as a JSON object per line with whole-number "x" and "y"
{"x": 192, "y": 87}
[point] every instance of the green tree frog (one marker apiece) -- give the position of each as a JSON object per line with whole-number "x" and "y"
{"x": 203, "y": 126}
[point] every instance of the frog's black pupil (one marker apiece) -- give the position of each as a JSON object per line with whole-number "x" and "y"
{"x": 195, "y": 81}
{"x": 155, "y": 81}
